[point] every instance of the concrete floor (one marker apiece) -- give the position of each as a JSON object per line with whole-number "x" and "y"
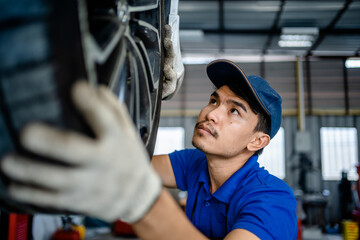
{"x": 332, "y": 237}
{"x": 314, "y": 233}
{"x": 308, "y": 234}
{"x": 326, "y": 237}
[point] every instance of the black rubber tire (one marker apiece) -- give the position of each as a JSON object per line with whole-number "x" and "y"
{"x": 48, "y": 45}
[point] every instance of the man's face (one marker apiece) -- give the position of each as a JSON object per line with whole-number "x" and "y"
{"x": 225, "y": 126}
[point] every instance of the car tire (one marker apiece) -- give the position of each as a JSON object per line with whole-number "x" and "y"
{"x": 46, "y": 46}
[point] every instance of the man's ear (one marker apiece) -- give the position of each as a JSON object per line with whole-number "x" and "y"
{"x": 259, "y": 141}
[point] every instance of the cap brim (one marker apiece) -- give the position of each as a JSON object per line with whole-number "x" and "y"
{"x": 224, "y": 72}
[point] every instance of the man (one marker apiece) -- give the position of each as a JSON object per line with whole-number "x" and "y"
{"x": 108, "y": 177}
{"x": 226, "y": 188}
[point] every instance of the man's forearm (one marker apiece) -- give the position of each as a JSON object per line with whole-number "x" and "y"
{"x": 166, "y": 220}
{"x": 163, "y": 167}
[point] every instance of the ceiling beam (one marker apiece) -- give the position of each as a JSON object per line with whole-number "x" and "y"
{"x": 329, "y": 27}
{"x": 308, "y": 84}
{"x": 221, "y": 16}
{"x": 346, "y": 87}
{"x": 357, "y": 52}
{"x": 274, "y": 27}
{"x": 355, "y": 31}
{"x": 221, "y": 25}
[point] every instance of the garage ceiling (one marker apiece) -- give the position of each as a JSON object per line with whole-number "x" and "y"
{"x": 247, "y": 32}
{"x": 254, "y": 27}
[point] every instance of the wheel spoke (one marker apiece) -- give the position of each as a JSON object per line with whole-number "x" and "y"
{"x": 142, "y": 5}
{"x": 144, "y": 121}
{"x": 150, "y": 48}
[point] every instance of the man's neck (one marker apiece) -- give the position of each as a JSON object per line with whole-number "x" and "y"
{"x": 221, "y": 169}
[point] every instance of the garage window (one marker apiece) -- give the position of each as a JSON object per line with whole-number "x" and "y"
{"x": 273, "y": 156}
{"x": 338, "y": 152}
{"x": 169, "y": 139}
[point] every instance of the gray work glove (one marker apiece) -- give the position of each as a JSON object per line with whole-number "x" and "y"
{"x": 169, "y": 85}
{"x": 109, "y": 177}
{"x": 174, "y": 70}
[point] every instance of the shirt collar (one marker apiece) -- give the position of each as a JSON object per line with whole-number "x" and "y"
{"x": 204, "y": 175}
{"x": 226, "y": 191}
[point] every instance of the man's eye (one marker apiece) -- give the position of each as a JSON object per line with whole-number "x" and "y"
{"x": 234, "y": 111}
{"x": 212, "y": 101}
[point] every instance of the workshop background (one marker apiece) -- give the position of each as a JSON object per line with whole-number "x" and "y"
{"x": 309, "y": 52}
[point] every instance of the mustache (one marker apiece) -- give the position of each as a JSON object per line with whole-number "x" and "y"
{"x": 212, "y": 129}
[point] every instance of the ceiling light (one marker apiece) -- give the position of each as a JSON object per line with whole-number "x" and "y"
{"x": 191, "y": 35}
{"x": 352, "y": 63}
{"x": 298, "y": 37}
{"x": 194, "y": 59}
{"x": 297, "y": 43}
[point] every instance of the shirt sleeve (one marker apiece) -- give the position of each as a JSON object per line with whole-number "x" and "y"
{"x": 184, "y": 163}
{"x": 270, "y": 215}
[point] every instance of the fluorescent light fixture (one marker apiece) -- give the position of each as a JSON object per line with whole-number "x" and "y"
{"x": 300, "y": 30}
{"x": 352, "y": 63}
{"x": 284, "y": 43}
{"x": 194, "y": 59}
{"x": 298, "y": 37}
{"x": 191, "y": 35}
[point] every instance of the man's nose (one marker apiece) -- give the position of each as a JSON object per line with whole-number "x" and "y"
{"x": 215, "y": 115}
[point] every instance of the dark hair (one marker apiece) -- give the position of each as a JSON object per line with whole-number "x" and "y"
{"x": 263, "y": 124}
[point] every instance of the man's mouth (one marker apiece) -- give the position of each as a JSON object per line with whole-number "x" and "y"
{"x": 207, "y": 128}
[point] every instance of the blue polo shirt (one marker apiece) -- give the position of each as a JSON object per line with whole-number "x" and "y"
{"x": 250, "y": 199}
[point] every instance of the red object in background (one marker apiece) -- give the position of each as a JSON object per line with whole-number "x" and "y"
{"x": 66, "y": 235}
{"x": 299, "y": 237}
{"x": 356, "y": 215}
{"x": 120, "y": 228}
{"x": 18, "y": 226}
{"x": 356, "y": 212}
{"x": 358, "y": 181}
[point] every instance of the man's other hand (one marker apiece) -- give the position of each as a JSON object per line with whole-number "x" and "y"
{"x": 170, "y": 81}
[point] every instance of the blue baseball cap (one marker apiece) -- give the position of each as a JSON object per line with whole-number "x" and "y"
{"x": 224, "y": 72}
